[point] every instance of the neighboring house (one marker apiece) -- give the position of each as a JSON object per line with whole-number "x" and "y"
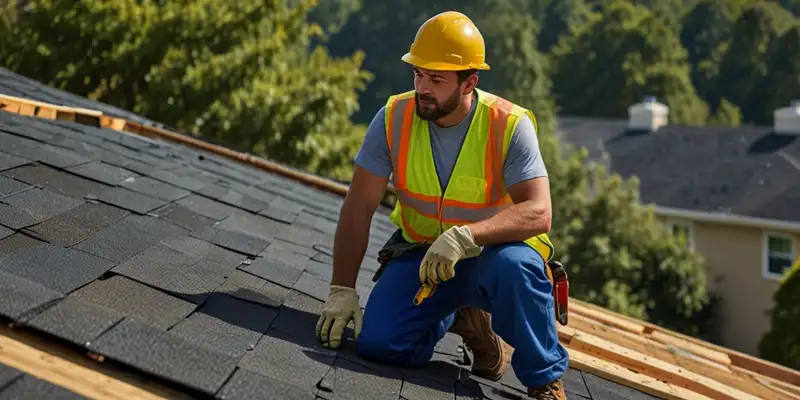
{"x": 733, "y": 192}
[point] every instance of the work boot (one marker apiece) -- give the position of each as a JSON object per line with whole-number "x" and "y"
{"x": 490, "y": 352}
{"x": 552, "y": 391}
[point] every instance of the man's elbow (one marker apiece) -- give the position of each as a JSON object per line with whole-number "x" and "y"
{"x": 355, "y": 209}
{"x": 542, "y": 219}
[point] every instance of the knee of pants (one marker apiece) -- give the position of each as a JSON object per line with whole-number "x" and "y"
{"x": 513, "y": 261}
{"x": 381, "y": 347}
{"x": 513, "y": 270}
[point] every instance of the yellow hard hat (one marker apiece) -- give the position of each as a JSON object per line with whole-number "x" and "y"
{"x": 448, "y": 41}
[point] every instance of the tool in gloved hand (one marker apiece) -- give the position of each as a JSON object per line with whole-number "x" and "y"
{"x": 423, "y": 293}
{"x": 341, "y": 307}
{"x": 439, "y": 263}
{"x": 557, "y": 273}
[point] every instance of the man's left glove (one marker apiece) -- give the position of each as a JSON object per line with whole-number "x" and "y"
{"x": 341, "y": 307}
{"x": 439, "y": 262}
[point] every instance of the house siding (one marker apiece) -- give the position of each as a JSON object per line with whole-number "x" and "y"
{"x": 735, "y": 260}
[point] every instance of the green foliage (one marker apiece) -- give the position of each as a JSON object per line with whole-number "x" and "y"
{"x": 781, "y": 84}
{"x": 633, "y": 53}
{"x": 240, "y": 72}
{"x": 521, "y": 75}
{"x": 746, "y": 62}
{"x": 781, "y": 344}
{"x": 619, "y": 255}
{"x": 332, "y": 15}
{"x": 728, "y": 114}
{"x": 705, "y": 33}
{"x": 556, "y": 17}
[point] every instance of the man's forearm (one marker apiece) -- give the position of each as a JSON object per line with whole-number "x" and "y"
{"x": 514, "y": 224}
{"x": 350, "y": 245}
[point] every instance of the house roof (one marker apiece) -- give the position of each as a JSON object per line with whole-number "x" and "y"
{"x": 747, "y": 171}
{"x": 188, "y": 271}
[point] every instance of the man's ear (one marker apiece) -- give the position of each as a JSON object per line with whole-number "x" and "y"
{"x": 469, "y": 84}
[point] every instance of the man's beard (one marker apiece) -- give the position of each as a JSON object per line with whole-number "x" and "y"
{"x": 439, "y": 110}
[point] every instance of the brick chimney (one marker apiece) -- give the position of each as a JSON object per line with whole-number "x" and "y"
{"x": 787, "y": 119}
{"x": 649, "y": 115}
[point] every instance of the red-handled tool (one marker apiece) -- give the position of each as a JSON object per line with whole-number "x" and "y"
{"x": 560, "y": 291}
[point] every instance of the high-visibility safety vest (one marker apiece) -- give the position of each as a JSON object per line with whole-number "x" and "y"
{"x": 476, "y": 189}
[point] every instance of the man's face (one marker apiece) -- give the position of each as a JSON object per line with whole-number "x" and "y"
{"x": 437, "y": 93}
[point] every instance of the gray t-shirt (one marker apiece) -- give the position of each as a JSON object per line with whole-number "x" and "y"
{"x": 523, "y": 160}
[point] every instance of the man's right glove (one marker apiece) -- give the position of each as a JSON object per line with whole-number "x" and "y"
{"x": 341, "y": 307}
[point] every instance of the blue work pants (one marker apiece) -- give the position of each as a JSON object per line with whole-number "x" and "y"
{"x": 509, "y": 281}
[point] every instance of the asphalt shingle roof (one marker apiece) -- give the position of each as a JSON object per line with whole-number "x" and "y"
{"x": 748, "y": 171}
{"x": 190, "y": 267}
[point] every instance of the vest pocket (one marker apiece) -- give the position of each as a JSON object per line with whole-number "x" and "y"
{"x": 469, "y": 189}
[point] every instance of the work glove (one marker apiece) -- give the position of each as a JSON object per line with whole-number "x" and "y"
{"x": 341, "y": 307}
{"x": 438, "y": 264}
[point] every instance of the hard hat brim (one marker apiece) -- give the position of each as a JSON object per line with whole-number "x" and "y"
{"x": 440, "y": 66}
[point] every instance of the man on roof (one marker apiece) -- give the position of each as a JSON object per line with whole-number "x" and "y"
{"x": 473, "y": 213}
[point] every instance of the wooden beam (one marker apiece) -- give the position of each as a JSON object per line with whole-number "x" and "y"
{"x": 606, "y": 318}
{"x": 623, "y": 338}
{"x": 655, "y": 368}
{"x": 65, "y": 368}
{"x": 767, "y": 380}
{"x": 702, "y": 351}
{"x": 33, "y": 108}
{"x": 737, "y": 358}
{"x": 679, "y": 357}
{"x": 626, "y": 377}
{"x": 763, "y": 367}
{"x": 727, "y": 377}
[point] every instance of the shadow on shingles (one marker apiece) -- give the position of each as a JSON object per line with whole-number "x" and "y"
{"x": 771, "y": 143}
{"x": 438, "y": 378}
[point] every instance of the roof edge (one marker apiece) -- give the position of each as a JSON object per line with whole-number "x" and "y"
{"x": 728, "y": 219}
{"x": 38, "y": 109}
{"x": 44, "y": 357}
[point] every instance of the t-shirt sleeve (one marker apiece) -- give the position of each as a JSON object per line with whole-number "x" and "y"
{"x": 523, "y": 160}
{"x": 374, "y": 152}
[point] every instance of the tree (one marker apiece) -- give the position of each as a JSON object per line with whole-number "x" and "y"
{"x": 622, "y": 54}
{"x": 781, "y": 85}
{"x": 728, "y": 114}
{"x": 618, "y": 254}
{"x": 745, "y": 63}
{"x": 781, "y": 344}
{"x": 705, "y": 33}
{"x": 556, "y": 17}
{"x": 520, "y": 72}
{"x": 332, "y": 15}
{"x": 243, "y": 73}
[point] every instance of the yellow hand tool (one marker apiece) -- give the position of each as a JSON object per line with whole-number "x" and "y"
{"x": 423, "y": 293}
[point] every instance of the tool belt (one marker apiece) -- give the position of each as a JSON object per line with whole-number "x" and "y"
{"x": 396, "y": 246}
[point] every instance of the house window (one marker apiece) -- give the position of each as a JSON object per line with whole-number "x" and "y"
{"x": 682, "y": 229}
{"x": 779, "y": 255}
